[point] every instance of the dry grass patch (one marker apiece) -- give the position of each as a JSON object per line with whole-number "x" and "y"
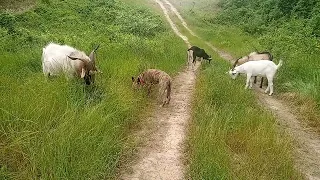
{"x": 17, "y": 5}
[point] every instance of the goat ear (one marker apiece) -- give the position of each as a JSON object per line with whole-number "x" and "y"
{"x": 92, "y": 55}
{"x": 132, "y": 79}
{"x": 73, "y": 58}
{"x": 83, "y": 73}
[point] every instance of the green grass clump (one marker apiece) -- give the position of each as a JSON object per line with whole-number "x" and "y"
{"x": 60, "y": 129}
{"x": 231, "y": 136}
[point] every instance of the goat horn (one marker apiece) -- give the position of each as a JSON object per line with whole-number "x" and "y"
{"x": 92, "y": 54}
{"x": 75, "y": 58}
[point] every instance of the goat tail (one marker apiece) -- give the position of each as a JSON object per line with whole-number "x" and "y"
{"x": 270, "y": 57}
{"x": 280, "y": 64}
{"x": 188, "y": 58}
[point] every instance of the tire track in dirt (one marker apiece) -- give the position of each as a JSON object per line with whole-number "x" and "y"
{"x": 173, "y": 26}
{"x": 161, "y": 155}
{"x": 175, "y": 11}
{"x": 307, "y": 141}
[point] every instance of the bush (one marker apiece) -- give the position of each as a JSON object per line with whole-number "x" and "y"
{"x": 7, "y": 21}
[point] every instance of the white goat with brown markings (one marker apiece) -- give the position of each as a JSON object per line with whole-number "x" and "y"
{"x": 57, "y": 59}
{"x": 254, "y": 56}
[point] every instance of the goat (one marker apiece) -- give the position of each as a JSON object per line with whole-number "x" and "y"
{"x": 264, "y": 68}
{"x": 155, "y": 76}
{"x": 254, "y": 56}
{"x": 57, "y": 59}
{"x": 198, "y": 52}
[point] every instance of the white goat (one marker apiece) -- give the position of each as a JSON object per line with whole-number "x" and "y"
{"x": 254, "y": 56}
{"x": 263, "y": 68}
{"x": 57, "y": 59}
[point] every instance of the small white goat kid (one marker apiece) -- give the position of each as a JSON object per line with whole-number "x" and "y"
{"x": 58, "y": 59}
{"x": 263, "y": 68}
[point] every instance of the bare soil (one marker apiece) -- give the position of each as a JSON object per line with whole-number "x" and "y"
{"x": 17, "y": 6}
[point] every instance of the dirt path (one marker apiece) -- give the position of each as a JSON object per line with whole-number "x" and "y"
{"x": 161, "y": 157}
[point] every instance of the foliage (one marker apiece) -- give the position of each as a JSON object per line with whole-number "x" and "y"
{"x": 270, "y": 13}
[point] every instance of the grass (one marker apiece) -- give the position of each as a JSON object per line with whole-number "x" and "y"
{"x": 59, "y": 129}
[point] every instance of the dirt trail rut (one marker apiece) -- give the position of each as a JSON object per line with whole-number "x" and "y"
{"x": 161, "y": 157}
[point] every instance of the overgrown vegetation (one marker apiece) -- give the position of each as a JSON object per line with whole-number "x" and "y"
{"x": 59, "y": 129}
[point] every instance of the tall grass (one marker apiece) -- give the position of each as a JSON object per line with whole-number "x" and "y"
{"x": 59, "y": 129}
{"x": 231, "y": 136}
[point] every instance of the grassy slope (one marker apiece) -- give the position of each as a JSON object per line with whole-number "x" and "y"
{"x": 60, "y": 129}
{"x": 231, "y": 136}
